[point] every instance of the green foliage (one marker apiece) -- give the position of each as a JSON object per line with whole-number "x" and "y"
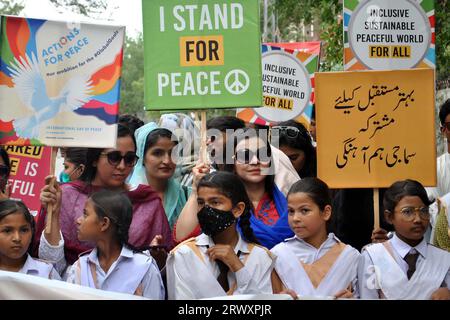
{"x": 132, "y": 84}
{"x": 11, "y": 7}
{"x": 293, "y": 13}
{"x": 442, "y": 38}
{"x": 84, "y": 7}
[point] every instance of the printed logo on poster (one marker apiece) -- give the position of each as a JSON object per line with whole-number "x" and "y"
{"x": 288, "y": 83}
{"x": 286, "y": 86}
{"x": 201, "y": 55}
{"x": 60, "y": 82}
{"x": 389, "y": 35}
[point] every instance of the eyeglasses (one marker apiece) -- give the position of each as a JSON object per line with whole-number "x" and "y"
{"x": 292, "y": 132}
{"x": 245, "y": 156}
{"x": 115, "y": 158}
{"x": 409, "y": 213}
{"x": 4, "y": 171}
{"x": 447, "y": 126}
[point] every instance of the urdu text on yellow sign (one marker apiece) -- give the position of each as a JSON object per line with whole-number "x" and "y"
{"x": 375, "y": 128}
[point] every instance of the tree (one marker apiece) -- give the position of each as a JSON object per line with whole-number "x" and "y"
{"x": 294, "y": 13}
{"x": 10, "y": 7}
{"x": 132, "y": 84}
{"x": 442, "y": 39}
{"x": 85, "y": 7}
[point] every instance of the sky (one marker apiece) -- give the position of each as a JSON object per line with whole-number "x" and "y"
{"x": 128, "y": 13}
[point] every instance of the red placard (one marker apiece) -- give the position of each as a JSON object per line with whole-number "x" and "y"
{"x": 29, "y": 167}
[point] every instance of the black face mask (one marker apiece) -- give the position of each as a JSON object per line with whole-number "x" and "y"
{"x": 214, "y": 221}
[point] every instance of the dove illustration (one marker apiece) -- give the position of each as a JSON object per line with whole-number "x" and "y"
{"x": 32, "y": 91}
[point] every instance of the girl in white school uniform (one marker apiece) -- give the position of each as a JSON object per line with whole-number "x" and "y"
{"x": 314, "y": 262}
{"x": 224, "y": 259}
{"x": 405, "y": 267}
{"x": 16, "y": 234}
{"x": 113, "y": 265}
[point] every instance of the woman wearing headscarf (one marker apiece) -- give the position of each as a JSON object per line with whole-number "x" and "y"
{"x": 156, "y": 168}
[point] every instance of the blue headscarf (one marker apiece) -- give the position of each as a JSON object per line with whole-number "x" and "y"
{"x": 175, "y": 196}
{"x": 270, "y": 236}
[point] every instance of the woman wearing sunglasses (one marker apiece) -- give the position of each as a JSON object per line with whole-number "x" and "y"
{"x": 254, "y": 165}
{"x": 295, "y": 141}
{"x": 105, "y": 169}
{"x": 5, "y": 168}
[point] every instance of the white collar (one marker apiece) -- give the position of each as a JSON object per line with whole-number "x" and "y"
{"x": 30, "y": 265}
{"x": 125, "y": 253}
{"x": 403, "y": 248}
{"x": 204, "y": 240}
{"x": 331, "y": 239}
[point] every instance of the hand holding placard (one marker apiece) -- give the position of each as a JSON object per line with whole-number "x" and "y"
{"x": 50, "y": 197}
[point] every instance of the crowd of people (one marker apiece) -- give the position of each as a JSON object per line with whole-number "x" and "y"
{"x": 153, "y": 218}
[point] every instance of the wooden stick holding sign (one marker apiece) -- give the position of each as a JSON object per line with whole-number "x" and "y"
{"x": 203, "y": 147}
{"x": 48, "y": 226}
{"x": 376, "y": 208}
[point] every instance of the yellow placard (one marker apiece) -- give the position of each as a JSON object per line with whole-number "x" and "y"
{"x": 202, "y": 51}
{"x": 33, "y": 152}
{"x": 279, "y": 103}
{"x": 375, "y": 128}
{"x": 15, "y": 164}
{"x": 390, "y": 52}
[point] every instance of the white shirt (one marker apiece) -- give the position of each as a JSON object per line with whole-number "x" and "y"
{"x": 443, "y": 177}
{"x": 309, "y": 254}
{"x": 152, "y": 284}
{"x": 253, "y": 278}
{"x": 54, "y": 254}
{"x": 38, "y": 268}
{"x": 400, "y": 250}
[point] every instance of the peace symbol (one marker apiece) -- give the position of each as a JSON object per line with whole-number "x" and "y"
{"x": 233, "y": 82}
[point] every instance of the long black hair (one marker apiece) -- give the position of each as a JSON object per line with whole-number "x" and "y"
{"x": 401, "y": 189}
{"x": 7, "y": 162}
{"x": 232, "y": 187}
{"x": 93, "y": 154}
{"x": 5, "y": 157}
{"x": 8, "y": 207}
{"x": 246, "y": 134}
{"x": 303, "y": 142}
{"x": 117, "y": 207}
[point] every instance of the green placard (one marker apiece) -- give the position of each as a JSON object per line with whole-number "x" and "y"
{"x": 202, "y": 54}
